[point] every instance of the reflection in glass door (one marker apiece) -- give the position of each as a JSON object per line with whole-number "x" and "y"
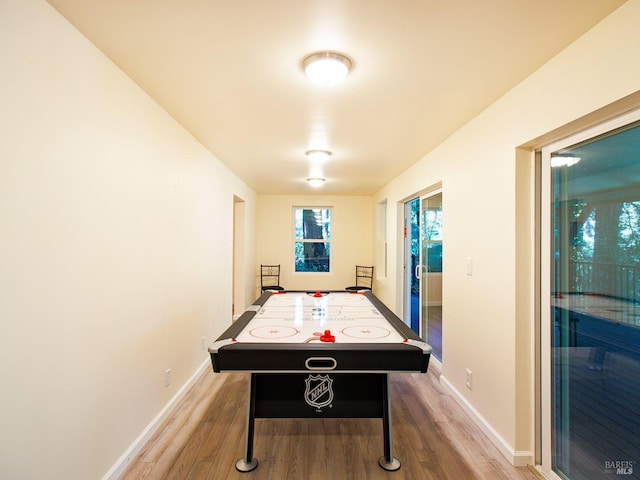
{"x": 431, "y": 272}
{"x": 591, "y": 305}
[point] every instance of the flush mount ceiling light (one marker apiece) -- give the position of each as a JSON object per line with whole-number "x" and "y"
{"x": 318, "y": 156}
{"x": 326, "y": 68}
{"x": 315, "y": 182}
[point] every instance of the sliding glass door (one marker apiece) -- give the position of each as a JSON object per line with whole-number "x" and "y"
{"x": 412, "y": 276}
{"x": 591, "y": 304}
{"x": 423, "y": 268}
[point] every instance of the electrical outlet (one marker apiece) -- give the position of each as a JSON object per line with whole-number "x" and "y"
{"x": 469, "y": 379}
{"x": 167, "y": 377}
{"x": 204, "y": 341}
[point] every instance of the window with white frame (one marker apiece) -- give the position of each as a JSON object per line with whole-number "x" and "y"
{"x": 312, "y": 239}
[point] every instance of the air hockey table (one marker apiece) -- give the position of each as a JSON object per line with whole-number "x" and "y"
{"x": 323, "y": 354}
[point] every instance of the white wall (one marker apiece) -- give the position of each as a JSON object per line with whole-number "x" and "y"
{"x": 115, "y": 251}
{"x": 351, "y": 241}
{"x": 477, "y": 168}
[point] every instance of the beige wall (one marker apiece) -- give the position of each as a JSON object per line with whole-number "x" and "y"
{"x": 351, "y": 242}
{"x": 477, "y": 168}
{"x": 115, "y": 252}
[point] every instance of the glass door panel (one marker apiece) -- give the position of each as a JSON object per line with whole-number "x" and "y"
{"x": 412, "y": 263}
{"x": 431, "y": 272}
{"x": 594, "y": 300}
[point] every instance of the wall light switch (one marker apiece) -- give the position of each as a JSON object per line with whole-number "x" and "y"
{"x": 469, "y": 266}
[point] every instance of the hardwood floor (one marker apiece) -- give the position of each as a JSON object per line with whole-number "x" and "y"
{"x": 433, "y": 438}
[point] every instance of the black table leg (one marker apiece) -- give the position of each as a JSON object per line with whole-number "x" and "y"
{"x": 388, "y": 461}
{"x": 248, "y": 463}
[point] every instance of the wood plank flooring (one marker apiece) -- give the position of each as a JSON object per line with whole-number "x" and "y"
{"x": 433, "y": 438}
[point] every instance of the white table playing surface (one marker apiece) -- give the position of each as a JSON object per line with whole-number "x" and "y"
{"x": 299, "y": 317}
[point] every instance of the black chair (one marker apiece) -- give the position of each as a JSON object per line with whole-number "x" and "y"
{"x": 270, "y": 277}
{"x": 364, "y": 279}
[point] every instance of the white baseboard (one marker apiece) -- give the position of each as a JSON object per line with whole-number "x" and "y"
{"x": 516, "y": 458}
{"x": 123, "y": 462}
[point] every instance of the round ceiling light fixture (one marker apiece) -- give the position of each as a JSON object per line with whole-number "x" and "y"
{"x": 318, "y": 156}
{"x": 326, "y": 68}
{"x": 315, "y": 182}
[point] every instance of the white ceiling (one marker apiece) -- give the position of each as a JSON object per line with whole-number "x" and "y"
{"x": 229, "y": 72}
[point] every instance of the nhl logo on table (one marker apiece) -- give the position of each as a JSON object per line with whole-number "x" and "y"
{"x": 319, "y": 391}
